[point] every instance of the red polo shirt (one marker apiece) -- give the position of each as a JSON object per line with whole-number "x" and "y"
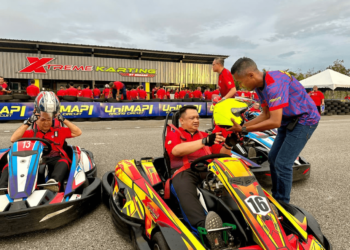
{"x": 33, "y": 90}
{"x": 246, "y": 94}
{"x": 197, "y": 94}
{"x": 118, "y": 85}
{"x": 176, "y": 95}
{"x": 56, "y": 136}
{"x": 347, "y": 97}
{"x": 105, "y": 92}
{"x": 182, "y": 94}
{"x": 173, "y": 138}
{"x": 168, "y": 94}
{"x": 143, "y": 94}
{"x": 317, "y": 97}
{"x": 79, "y": 93}
{"x": 61, "y": 92}
{"x": 161, "y": 93}
{"x": 86, "y": 93}
{"x": 254, "y": 96}
{"x": 97, "y": 92}
{"x": 72, "y": 91}
{"x": 216, "y": 92}
{"x": 254, "y": 110}
{"x": 133, "y": 94}
{"x": 226, "y": 82}
{"x": 207, "y": 95}
{"x": 4, "y": 86}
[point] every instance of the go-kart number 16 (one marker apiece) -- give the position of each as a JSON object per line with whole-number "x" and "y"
{"x": 258, "y": 204}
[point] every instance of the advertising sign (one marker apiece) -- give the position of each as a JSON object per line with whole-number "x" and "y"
{"x": 210, "y": 108}
{"x": 80, "y": 109}
{"x": 124, "y": 110}
{"x": 15, "y": 111}
{"x": 166, "y": 107}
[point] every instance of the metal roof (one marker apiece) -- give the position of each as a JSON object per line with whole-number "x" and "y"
{"x": 25, "y": 46}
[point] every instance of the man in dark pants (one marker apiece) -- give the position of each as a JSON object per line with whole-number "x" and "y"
{"x": 286, "y": 106}
{"x": 116, "y": 89}
{"x": 197, "y": 144}
{"x": 58, "y": 164}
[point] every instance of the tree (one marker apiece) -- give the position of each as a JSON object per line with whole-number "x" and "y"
{"x": 339, "y": 67}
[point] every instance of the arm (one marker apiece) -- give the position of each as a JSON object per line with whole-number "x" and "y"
{"x": 274, "y": 121}
{"x": 231, "y": 93}
{"x": 262, "y": 117}
{"x": 19, "y": 133}
{"x": 74, "y": 129}
{"x": 225, "y": 151}
{"x": 117, "y": 95}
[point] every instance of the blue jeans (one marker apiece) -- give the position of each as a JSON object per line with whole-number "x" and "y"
{"x": 284, "y": 151}
{"x": 121, "y": 92}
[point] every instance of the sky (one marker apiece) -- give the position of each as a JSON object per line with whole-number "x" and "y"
{"x": 277, "y": 35}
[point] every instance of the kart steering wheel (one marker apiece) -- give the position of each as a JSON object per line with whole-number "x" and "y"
{"x": 200, "y": 164}
{"x": 47, "y": 144}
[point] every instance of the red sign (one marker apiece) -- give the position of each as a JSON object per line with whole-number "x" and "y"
{"x": 137, "y": 75}
{"x": 38, "y": 66}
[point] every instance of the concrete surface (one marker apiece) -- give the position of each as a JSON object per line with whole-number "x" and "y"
{"x": 325, "y": 194}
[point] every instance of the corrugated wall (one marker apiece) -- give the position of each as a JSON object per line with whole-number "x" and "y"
{"x": 166, "y": 72}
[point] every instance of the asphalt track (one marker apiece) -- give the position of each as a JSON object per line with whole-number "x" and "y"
{"x": 325, "y": 194}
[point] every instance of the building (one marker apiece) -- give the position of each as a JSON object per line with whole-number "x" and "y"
{"x": 56, "y": 64}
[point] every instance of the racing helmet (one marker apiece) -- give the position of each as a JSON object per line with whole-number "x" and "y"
{"x": 47, "y": 102}
{"x": 227, "y": 109}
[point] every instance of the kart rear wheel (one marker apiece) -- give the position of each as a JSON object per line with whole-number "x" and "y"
{"x": 158, "y": 242}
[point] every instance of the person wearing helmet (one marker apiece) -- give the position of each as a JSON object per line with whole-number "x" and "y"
{"x": 46, "y": 110}
{"x": 184, "y": 145}
{"x": 116, "y": 89}
{"x": 106, "y": 91}
{"x": 286, "y": 106}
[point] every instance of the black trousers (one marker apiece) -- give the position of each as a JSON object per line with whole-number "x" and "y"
{"x": 185, "y": 185}
{"x": 319, "y": 109}
{"x": 58, "y": 169}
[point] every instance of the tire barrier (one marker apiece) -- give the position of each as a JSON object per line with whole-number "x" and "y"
{"x": 336, "y": 107}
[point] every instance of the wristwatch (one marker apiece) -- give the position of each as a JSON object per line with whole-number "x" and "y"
{"x": 244, "y": 130}
{"x": 204, "y": 141}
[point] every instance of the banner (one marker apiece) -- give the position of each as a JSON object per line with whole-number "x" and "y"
{"x": 125, "y": 110}
{"x": 80, "y": 109}
{"x": 15, "y": 111}
{"x": 166, "y": 107}
{"x": 210, "y": 108}
{"x": 21, "y": 111}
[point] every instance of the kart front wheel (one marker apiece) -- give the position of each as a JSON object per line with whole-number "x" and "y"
{"x": 159, "y": 242}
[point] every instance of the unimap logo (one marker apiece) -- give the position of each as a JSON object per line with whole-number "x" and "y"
{"x": 76, "y": 109}
{"x": 8, "y": 111}
{"x": 129, "y": 110}
{"x": 41, "y": 65}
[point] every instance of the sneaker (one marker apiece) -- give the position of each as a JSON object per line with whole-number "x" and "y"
{"x": 213, "y": 221}
{"x": 251, "y": 153}
{"x": 53, "y": 187}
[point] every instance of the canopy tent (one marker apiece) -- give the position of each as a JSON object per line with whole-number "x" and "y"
{"x": 327, "y": 79}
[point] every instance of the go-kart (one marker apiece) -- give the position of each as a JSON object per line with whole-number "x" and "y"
{"x": 252, "y": 218}
{"x": 26, "y": 206}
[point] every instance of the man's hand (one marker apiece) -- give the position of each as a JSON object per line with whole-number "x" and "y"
{"x": 216, "y": 138}
{"x": 9, "y": 91}
{"x": 33, "y": 118}
{"x": 60, "y": 117}
{"x": 117, "y": 99}
{"x": 236, "y": 127}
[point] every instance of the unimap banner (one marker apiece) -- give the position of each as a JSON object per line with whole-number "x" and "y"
{"x": 80, "y": 109}
{"x": 15, "y": 111}
{"x": 210, "y": 109}
{"x": 21, "y": 111}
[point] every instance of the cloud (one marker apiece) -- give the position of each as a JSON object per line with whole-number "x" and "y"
{"x": 233, "y": 42}
{"x": 288, "y": 54}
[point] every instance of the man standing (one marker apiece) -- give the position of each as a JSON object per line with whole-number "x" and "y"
{"x": 142, "y": 93}
{"x": 208, "y": 94}
{"x": 317, "y": 97}
{"x": 226, "y": 83}
{"x": 96, "y": 92}
{"x": 182, "y": 93}
{"x": 80, "y": 92}
{"x": 61, "y": 92}
{"x": 133, "y": 94}
{"x": 161, "y": 93}
{"x": 71, "y": 91}
{"x": 86, "y": 92}
{"x": 154, "y": 92}
{"x": 32, "y": 90}
{"x": 106, "y": 91}
{"x": 3, "y": 87}
{"x": 116, "y": 89}
{"x": 286, "y": 106}
{"x": 197, "y": 93}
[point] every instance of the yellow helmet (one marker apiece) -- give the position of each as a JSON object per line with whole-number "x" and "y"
{"x": 227, "y": 109}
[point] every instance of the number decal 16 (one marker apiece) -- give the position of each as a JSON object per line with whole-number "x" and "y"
{"x": 258, "y": 205}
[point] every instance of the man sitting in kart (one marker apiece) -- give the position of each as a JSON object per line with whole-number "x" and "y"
{"x": 255, "y": 108}
{"x": 57, "y": 160}
{"x": 185, "y": 181}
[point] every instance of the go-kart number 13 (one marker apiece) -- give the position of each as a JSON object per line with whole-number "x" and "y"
{"x": 26, "y": 144}
{"x": 258, "y": 204}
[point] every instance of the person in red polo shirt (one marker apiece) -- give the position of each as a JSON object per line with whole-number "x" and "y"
{"x": 317, "y": 97}
{"x": 143, "y": 93}
{"x": 86, "y": 92}
{"x": 184, "y": 151}
{"x": 3, "y": 87}
{"x": 161, "y": 93}
{"x": 133, "y": 94}
{"x": 197, "y": 93}
{"x": 57, "y": 161}
{"x": 347, "y": 97}
{"x": 61, "y": 92}
{"x": 226, "y": 83}
{"x": 176, "y": 95}
{"x": 254, "y": 96}
{"x": 80, "y": 92}
{"x": 71, "y": 91}
{"x": 208, "y": 94}
{"x": 168, "y": 94}
{"x": 96, "y": 92}
{"x": 216, "y": 91}
{"x": 32, "y": 90}
{"x": 182, "y": 94}
{"x": 106, "y": 91}
{"x": 117, "y": 88}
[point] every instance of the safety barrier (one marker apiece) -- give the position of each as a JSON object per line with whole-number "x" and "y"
{"x": 21, "y": 111}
